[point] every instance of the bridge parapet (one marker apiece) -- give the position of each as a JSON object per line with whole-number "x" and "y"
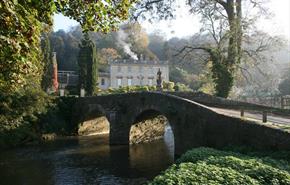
{"x": 214, "y": 101}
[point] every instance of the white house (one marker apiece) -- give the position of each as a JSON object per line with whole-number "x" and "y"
{"x": 122, "y": 72}
{"x": 132, "y": 72}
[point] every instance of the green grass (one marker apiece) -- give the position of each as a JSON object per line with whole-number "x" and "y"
{"x": 210, "y": 166}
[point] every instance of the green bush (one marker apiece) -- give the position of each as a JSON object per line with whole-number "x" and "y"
{"x": 127, "y": 89}
{"x": 210, "y": 166}
{"x": 254, "y": 168}
{"x": 19, "y": 115}
{"x": 201, "y": 154}
{"x": 168, "y": 86}
{"x": 200, "y": 174}
{"x": 15, "y": 136}
{"x": 181, "y": 87}
{"x": 152, "y": 88}
{"x": 58, "y": 117}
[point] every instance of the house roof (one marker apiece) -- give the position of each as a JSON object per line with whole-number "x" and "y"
{"x": 136, "y": 62}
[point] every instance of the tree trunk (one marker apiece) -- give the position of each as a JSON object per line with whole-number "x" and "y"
{"x": 224, "y": 77}
{"x": 221, "y": 74}
{"x": 239, "y": 29}
{"x": 232, "y": 47}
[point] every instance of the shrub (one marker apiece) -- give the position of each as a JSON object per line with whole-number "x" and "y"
{"x": 202, "y": 173}
{"x": 19, "y": 115}
{"x": 254, "y": 168}
{"x": 58, "y": 117}
{"x": 181, "y": 87}
{"x": 127, "y": 89}
{"x": 210, "y": 166}
{"x": 202, "y": 153}
{"x": 152, "y": 88}
{"x": 168, "y": 86}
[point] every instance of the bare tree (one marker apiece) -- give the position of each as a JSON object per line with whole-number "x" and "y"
{"x": 224, "y": 21}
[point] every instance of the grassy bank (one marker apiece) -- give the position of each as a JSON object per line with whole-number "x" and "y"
{"x": 209, "y": 166}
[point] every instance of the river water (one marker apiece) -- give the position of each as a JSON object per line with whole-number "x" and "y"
{"x": 86, "y": 160}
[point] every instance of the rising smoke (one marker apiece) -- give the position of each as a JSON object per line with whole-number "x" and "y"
{"x": 121, "y": 39}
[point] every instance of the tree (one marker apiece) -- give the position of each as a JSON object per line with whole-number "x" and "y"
{"x": 21, "y": 23}
{"x": 108, "y": 54}
{"x": 111, "y": 45}
{"x": 67, "y": 47}
{"x": 46, "y": 80}
{"x": 222, "y": 20}
{"x": 260, "y": 69}
{"x": 87, "y": 60}
{"x": 101, "y": 16}
{"x": 133, "y": 41}
{"x": 284, "y": 86}
{"x": 21, "y": 67}
{"x": 156, "y": 44}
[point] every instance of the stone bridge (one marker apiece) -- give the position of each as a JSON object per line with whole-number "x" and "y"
{"x": 193, "y": 124}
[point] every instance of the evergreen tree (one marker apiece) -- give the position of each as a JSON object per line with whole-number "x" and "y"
{"x": 87, "y": 60}
{"x": 46, "y": 81}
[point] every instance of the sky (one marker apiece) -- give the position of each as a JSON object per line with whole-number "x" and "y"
{"x": 186, "y": 24}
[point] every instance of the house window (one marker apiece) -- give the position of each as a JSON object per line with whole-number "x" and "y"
{"x": 119, "y": 82}
{"x": 119, "y": 68}
{"x": 150, "y": 82}
{"x": 102, "y": 81}
{"x": 129, "y": 68}
{"x": 151, "y": 70}
{"x": 129, "y": 81}
{"x": 140, "y": 69}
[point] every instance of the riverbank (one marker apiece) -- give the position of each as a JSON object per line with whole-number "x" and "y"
{"x": 207, "y": 165}
{"x": 53, "y": 118}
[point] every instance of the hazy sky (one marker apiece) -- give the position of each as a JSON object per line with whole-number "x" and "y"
{"x": 186, "y": 24}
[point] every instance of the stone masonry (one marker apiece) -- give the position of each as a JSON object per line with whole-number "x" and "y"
{"x": 193, "y": 124}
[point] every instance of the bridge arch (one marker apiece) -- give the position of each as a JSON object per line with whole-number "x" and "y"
{"x": 94, "y": 120}
{"x": 148, "y": 125}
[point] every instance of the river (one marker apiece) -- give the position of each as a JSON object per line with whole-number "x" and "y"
{"x": 86, "y": 160}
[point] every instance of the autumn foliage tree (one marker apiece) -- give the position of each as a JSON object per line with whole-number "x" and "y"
{"x": 109, "y": 54}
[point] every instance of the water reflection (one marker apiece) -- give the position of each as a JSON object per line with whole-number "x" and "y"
{"x": 85, "y": 160}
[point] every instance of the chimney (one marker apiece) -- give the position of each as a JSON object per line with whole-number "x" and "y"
{"x": 54, "y": 78}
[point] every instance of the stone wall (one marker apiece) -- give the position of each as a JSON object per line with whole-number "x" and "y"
{"x": 148, "y": 130}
